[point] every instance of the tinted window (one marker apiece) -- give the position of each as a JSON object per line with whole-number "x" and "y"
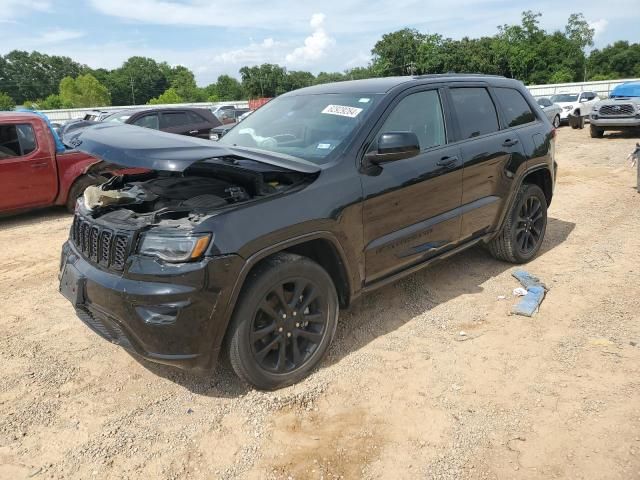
{"x": 544, "y": 102}
{"x": 27, "y": 138}
{"x": 147, "y": 121}
{"x": 194, "y": 117}
{"x": 515, "y": 108}
{"x": 475, "y": 111}
{"x": 16, "y": 140}
{"x": 420, "y": 113}
{"x": 174, "y": 119}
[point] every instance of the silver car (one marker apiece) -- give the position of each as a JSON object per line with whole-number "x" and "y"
{"x": 551, "y": 110}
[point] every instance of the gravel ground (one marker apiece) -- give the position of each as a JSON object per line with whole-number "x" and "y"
{"x": 402, "y": 393}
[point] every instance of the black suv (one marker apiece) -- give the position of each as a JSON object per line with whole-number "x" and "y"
{"x": 252, "y": 244}
{"x": 191, "y": 121}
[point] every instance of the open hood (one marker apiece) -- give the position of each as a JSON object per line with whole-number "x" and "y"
{"x": 132, "y": 146}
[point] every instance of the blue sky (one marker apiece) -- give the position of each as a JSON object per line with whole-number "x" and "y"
{"x": 212, "y": 37}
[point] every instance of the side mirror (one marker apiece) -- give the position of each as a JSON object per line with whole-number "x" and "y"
{"x": 583, "y": 99}
{"x": 394, "y": 146}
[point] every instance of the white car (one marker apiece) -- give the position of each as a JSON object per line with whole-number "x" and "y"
{"x": 578, "y": 104}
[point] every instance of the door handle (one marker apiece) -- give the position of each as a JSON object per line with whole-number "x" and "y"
{"x": 509, "y": 143}
{"x": 447, "y": 162}
{"x": 193, "y": 132}
{"x": 40, "y": 165}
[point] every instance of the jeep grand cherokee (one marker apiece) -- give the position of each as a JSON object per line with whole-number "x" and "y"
{"x": 251, "y": 245}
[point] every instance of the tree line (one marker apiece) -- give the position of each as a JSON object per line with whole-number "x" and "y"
{"x": 523, "y": 51}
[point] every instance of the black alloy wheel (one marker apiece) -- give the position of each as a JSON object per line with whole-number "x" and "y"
{"x": 288, "y": 325}
{"x": 530, "y": 224}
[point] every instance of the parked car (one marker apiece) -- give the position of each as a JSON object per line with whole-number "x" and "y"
{"x": 552, "y": 110}
{"x": 97, "y": 115}
{"x": 32, "y": 173}
{"x": 250, "y": 245}
{"x": 577, "y": 104}
{"x": 621, "y": 111}
{"x": 195, "y": 122}
{"x": 219, "y": 132}
{"x": 232, "y": 116}
{"x": 218, "y": 110}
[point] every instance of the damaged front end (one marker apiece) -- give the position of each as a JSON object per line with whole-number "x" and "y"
{"x": 179, "y": 183}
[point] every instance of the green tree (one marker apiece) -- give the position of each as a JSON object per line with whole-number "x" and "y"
{"x": 6, "y": 102}
{"x": 184, "y": 82}
{"x": 298, "y": 79}
{"x": 266, "y": 80}
{"x": 211, "y": 92}
{"x": 578, "y": 31}
{"x": 619, "y": 60}
{"x": 359, "y": 73}
{"x": 328, "y": 77}
{"x": 137, "y": 81}
{"x": 397, "y": 52}
{"x": 229, "y": 88}
{"x": 84, "y": 91}
{"x": 25, "y": 75}
{"x": 168, "y": 96}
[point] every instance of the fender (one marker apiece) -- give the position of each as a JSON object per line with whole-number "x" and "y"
{"x": 514, "y": 192}
{"x": 71, "y": 166}
{"x": 254, "y": 258}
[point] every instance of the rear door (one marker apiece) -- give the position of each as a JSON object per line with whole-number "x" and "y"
{"x": 28, "y": 175}
{"x": 491, "y": 157}
{"x": 199, "y": 124}
{"x": 411, "y": 207}
{"x": 177, "y": 121}
{"x": 148, "y": 120}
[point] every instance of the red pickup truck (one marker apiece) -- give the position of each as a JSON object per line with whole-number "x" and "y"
{"x": 32, "y": 173}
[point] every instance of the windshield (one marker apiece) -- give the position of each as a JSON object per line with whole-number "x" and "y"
{"x": 305, "y": 126}
{"x": 565, "y": 97}
{"x": 117, "y": 118}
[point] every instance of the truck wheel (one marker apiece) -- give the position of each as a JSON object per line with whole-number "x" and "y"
{"x": 285, "y": 319}
{"x": 556, "y": 121}
{"x": 77, "y": 189}
{"x": 524, "y": 227}
{"x": 581, "y": 122}
{"x": 596, "y": 132}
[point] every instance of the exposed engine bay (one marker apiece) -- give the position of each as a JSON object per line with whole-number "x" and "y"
{"x": 206, "y": 187}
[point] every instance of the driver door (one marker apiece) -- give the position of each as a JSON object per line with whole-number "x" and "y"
{"x": 411, "y": 210}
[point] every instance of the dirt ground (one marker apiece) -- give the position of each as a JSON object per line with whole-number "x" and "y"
{"x": 403, "y": 394}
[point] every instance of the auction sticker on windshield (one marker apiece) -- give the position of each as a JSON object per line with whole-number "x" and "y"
{"x": 342, "y": 110}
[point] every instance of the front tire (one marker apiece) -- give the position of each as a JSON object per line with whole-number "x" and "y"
{"x": 524, "y": 228}
{"x": 596, "y": 132}
{"x": 556, "y": 121}
{"x": 285, "y": 320}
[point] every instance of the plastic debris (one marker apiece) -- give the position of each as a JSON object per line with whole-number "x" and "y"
{"x": 501, "y": 297}
{"x": 534, "y": 294}
{"x": 519, "y": 292}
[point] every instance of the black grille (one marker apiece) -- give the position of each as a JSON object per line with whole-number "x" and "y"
{"x": 101, "y": 245}
{"x": 625, "y": 109}
{"x": 106, "y": 328}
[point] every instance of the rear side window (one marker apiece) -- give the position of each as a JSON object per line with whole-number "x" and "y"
{"x": 420, "y": 113}
{"x": 515, "y": 108}
{"x": 194, "y": 117}
{"x": 475, "y": 111}
{"x": 16, "y": 140}
{"x": 174, "y": 119}
{"x": 147, "y": 121}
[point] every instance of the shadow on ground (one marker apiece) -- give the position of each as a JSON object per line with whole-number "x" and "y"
{"x": 365, "y": 321}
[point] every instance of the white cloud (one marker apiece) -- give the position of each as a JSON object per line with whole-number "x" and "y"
{"x": 11, "y": 9}
{"x": 315, "y": 45}
{"x": 57, "y": 36}
{"x": 252, "y": 53}
{"x": 599, "y": 26}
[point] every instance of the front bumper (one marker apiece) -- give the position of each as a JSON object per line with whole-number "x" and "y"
{"x": 166, "y": 313}
{"x": 620, "y": 122}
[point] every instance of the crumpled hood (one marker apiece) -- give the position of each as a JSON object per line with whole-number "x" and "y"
{"x": 132, "y": 146}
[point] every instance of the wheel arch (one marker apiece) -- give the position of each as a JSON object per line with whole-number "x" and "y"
{"x": 542, "y": 178}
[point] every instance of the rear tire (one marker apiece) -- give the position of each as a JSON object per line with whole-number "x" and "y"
{"x": 581, "y": 122}
{"x": 284, "y": 322}
{"x": 523, "y": 231}
{"x": 596, "y": 132}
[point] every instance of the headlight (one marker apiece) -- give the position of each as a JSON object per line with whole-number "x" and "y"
{"x": 568, "y": 107}
{"x": 595, "y": 108}
{"x": 214, "y": 136}
{"x": 174, "y": 248}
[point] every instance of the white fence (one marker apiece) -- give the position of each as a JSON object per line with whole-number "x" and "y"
{"x": 71, "y": 113}
{"x": 602, "y": 88}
